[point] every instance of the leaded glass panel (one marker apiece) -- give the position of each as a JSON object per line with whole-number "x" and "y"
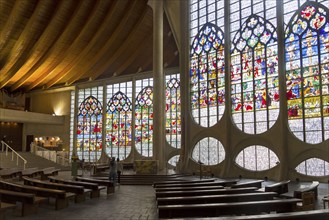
{"x": 257, "y": 158}
{"x": 207, "y": 76}
{"x": 89, "y": 124}
{"x": 173, "y": 111}
{"x": 313, "y": 167}
{"x": 144, "y": 117}
{"x": 209, "y": 151}
{"x": 254, "y": 68}
{"x": 119, "y": 120}
{"x": 307, "y": 50}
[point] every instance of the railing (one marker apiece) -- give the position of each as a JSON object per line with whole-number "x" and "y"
{"x": 5, "y": 148}
{"x": 49, "y": 155}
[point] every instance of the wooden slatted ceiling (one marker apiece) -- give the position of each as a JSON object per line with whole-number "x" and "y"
{"x": 45, "y": 44}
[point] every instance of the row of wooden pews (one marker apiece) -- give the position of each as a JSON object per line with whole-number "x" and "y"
{"x": 198, "y": 198}
{"x": 36, "y": 191}
{"x": 17, "y": 173}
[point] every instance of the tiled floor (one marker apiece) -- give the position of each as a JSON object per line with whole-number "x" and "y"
{"x": 128, "y": 202}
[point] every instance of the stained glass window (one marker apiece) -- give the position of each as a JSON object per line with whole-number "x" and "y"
{"x": 119, "y": 120}
{"x": 144, "y": 117}
{"x": 257, "y": 158}
{"x": 89, "y": 127}
{"x": 174, "y": 160}
{"x": 254, "y": 66}
{"x": 72, "y": 122}
{"x": 307, "y": 72}
{"x": 208, "y": 151}
{"x": 207, "y": 74}
{"x": 313, "y": 167}
{"x": 173, "y": 111}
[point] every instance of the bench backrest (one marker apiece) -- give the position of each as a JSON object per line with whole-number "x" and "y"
{"x": 39, "y": 191}
{"x": 12, "y": 196}
{"x": 46, "y": 184}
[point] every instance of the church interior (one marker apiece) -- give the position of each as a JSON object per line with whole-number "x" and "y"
{"x": 210, "y": 108}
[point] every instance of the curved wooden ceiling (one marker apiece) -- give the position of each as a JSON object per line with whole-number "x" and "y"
{"x": 51, "y": 43}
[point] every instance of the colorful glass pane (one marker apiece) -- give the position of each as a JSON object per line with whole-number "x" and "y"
{"x": 173, "y": 111}
{"x": 89, "y": 128}
{"x": 207, "y": 76}
{"x": 118, "y": 126}
{"x": 144, "y": 122}
{"x": 254, "y": 76}
{"x": 257, "y": 158}
{"x": 306, "y": 55}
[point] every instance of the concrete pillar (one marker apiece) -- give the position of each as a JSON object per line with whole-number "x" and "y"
{"x": 158, "y": 85}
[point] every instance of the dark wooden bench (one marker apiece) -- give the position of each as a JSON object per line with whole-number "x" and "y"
{"x": 235, "y": 208}
{"x": 205, "y": 199}
{"x": 100, "y": 168}
{"x": 188, "y": 188}
{"x": 50, "y": 171}
{"x": 322, "y": 214}
{"x": 4, "y": 207}
{"x": 11, "y": 173}
{"x": 253, "y": 183}
{"x": 179, "y": 183}
{"x": 32, "y": 172}
{"x": 210, "y": 182}
{"x": 95, "y": 188}
{"x": 280, "y": 187}
{"x": 79, "y": 191}
{"x": 61, "y": 197}
{"x": 310, "y": 188}
{"x": 29, "y": 201}
{"x": 110, "y": 185}
{"x": 205, "y": 192}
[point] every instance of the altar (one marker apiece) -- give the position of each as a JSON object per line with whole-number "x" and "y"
{"x": 146, "y": 166}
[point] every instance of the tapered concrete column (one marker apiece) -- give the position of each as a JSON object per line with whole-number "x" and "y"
{"x": 158, "y": 84}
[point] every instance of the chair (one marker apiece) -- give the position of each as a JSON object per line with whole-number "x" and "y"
{"x": 308, "y": 202}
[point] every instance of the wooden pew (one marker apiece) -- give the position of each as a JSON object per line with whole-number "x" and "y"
{"x": 321, "y": 214}
{"x": 50, "y": 171}
{"x": 4, "y": 207}
{"x": 205, "y": 199}
{"x": 11, "y": 173}
{"x": 31, "y": 172}
{"x": 205, "y": 192}
{"x": 235, "y": 208}
{"x": 280, "y": 187}
{"x": 191, "y": 184}
{"x": 95, "y": 188}
{"x": 110, "y": 185}
{"x": 310, "y": 188}
{"x": 29, "y": 201}
{"x": 178, "y": 183}
{"x": 100, "y": 168}
{"x": 188, "y": 188}
{"x": 253, "y": 183}
{"x": 61, "y": 197}
{"x": 79, "y": 191}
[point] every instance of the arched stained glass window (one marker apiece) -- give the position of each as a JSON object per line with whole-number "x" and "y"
{"x": 144, "y": 121}
{"x": 118, "y": 121}
{"x": 207, "y": 76}
{"x": 313, "y": 167}
{"x": 257, "y": 158}
{"x": 307, "y": 73}
{"x": 209, "y": 151}
{"x": 254, "y": 76}
{"x": 89, "y": 131}
{"x": 173, "y": 111}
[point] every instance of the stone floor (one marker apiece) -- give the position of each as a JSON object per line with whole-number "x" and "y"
{"x": 128, "y": 202}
